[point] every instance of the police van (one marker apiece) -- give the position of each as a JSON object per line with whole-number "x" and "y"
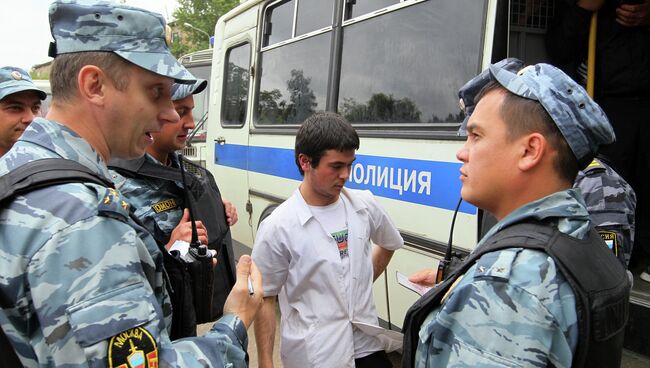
{"x": 392, "y": 68}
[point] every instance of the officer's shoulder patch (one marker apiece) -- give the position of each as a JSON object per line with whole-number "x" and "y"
{"x": 134, "y": 347}
{"x": 111, "y": 204}
{"x": 611, "y": 240}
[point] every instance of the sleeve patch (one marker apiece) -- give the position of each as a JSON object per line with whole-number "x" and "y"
{"x": 133, "y": 348}
{"x": 610, "y": 238}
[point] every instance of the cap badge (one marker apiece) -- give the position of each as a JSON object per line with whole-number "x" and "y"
{"x": 16, "y": 75}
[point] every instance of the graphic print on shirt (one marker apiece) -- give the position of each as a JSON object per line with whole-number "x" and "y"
{"x": 341, "y": 238}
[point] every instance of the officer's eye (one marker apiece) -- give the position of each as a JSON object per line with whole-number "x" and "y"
{"x": 157, "y": 92}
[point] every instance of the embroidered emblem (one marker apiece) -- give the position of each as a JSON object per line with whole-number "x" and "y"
{"x": 166, "y": 205}
{"x": 133, "y": 348}
{"x": 610, "y": 239}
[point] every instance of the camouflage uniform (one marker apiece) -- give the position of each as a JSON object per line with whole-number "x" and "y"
{"x": 77, "y": 273}
{"x": 81, "y": 284}
{"x": 158, "y": 204}
{"x": 611, "y": 202}
{"x": 513, "y": 307}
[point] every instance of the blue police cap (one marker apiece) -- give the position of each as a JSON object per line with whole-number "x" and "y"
{"x": 581, "y": 121}
{"x": 14, "y": 80}
{"x": 134, "y": 34}
{"x": 468, "y": 92}
{"x": 180, "y": 91}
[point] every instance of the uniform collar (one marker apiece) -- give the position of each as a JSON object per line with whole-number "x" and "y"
{"x": 65, "y": 143}
{"x": 565, "y": 210}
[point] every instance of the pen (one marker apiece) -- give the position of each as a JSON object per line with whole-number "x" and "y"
{"x": 251, "y": 290}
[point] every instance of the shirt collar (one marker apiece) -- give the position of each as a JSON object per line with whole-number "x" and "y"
{"x": 304, "y": 213}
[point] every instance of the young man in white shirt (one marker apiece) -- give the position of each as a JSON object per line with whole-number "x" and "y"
{"x": 315, "y": 253}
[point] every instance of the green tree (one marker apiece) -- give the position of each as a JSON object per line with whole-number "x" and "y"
{"x": 202, "y": 14}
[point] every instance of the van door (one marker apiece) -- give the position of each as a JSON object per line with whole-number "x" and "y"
{"x": 229, "y": 121}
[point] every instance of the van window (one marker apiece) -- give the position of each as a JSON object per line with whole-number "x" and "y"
{"x": 293, "y": 83}
{"x": 385, "y": 79}
{"x": 236, "y": 81}
{"x": 313, "y": 15}
{"x": 278, "y": 23}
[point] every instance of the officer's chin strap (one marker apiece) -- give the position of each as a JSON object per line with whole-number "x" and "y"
{"x": 443, "y": 266}
{"x": 195, "y": 236}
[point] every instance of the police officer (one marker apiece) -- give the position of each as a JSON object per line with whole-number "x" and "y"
{"x": 611, "y": 202}
{"x": 530, "y": 133}
{"x": 20, "y": 101}
{"x": 82, "y": 284}
{"x": 154, "y": 189}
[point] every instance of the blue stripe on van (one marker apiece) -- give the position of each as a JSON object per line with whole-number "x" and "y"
{"x": 430, "y": 183}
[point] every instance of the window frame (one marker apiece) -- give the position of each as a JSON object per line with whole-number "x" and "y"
{"x": 225, "y": 80}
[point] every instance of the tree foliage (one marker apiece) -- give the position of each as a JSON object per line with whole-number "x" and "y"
{"x": 202, "y": 14}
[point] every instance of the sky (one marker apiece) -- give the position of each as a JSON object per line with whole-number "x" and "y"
{"x": 25, "y": 30}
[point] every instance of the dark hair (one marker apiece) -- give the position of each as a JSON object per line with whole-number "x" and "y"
{"x": 525, "y": 116}
{"x": 66, "y": 67}
{"x": 321, "y": 132}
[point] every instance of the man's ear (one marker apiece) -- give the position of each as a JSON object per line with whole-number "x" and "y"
{"x": 534, "y": 147}
{"x": 91, "y": 83}
{"x": 305, "y": 162}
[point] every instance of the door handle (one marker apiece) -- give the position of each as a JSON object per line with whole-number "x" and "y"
{"x": 220, "y": 140}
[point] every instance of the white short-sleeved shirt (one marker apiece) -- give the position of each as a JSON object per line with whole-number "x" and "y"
{"x": 300, "y": 262}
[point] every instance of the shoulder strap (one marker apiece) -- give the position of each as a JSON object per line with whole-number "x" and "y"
{"x": 36, "y": 175}
{"x": 46, "y": 172}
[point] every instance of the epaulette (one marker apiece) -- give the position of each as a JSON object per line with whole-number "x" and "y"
{"x": 113, "y": 205}
{"x": 594, "y": 166}
{"x": 496, "y": 265}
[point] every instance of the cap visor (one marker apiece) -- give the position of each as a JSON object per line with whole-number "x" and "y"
{"x": 201, "y": 84}
{"x": 160, "y": 63}
{"x": 20, "y": 88}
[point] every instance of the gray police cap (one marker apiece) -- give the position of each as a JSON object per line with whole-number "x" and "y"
{"x": 180, "y": 91}
{"x": 581, "y": 121}
{"x": 136, "y": 35}
{"x": 468, "y": 92}
{"x": 14, "y": 80}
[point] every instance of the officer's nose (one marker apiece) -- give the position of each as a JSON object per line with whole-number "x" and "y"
{"x": 462, "y": 153}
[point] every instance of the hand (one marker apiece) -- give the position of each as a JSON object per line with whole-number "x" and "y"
{"x": 239, "y": 301}
{"x": 231, "y": 212}
{"x": 634, "y": 15}
{"x": 183, "y": 231}
{"x": 426, "y": 277}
